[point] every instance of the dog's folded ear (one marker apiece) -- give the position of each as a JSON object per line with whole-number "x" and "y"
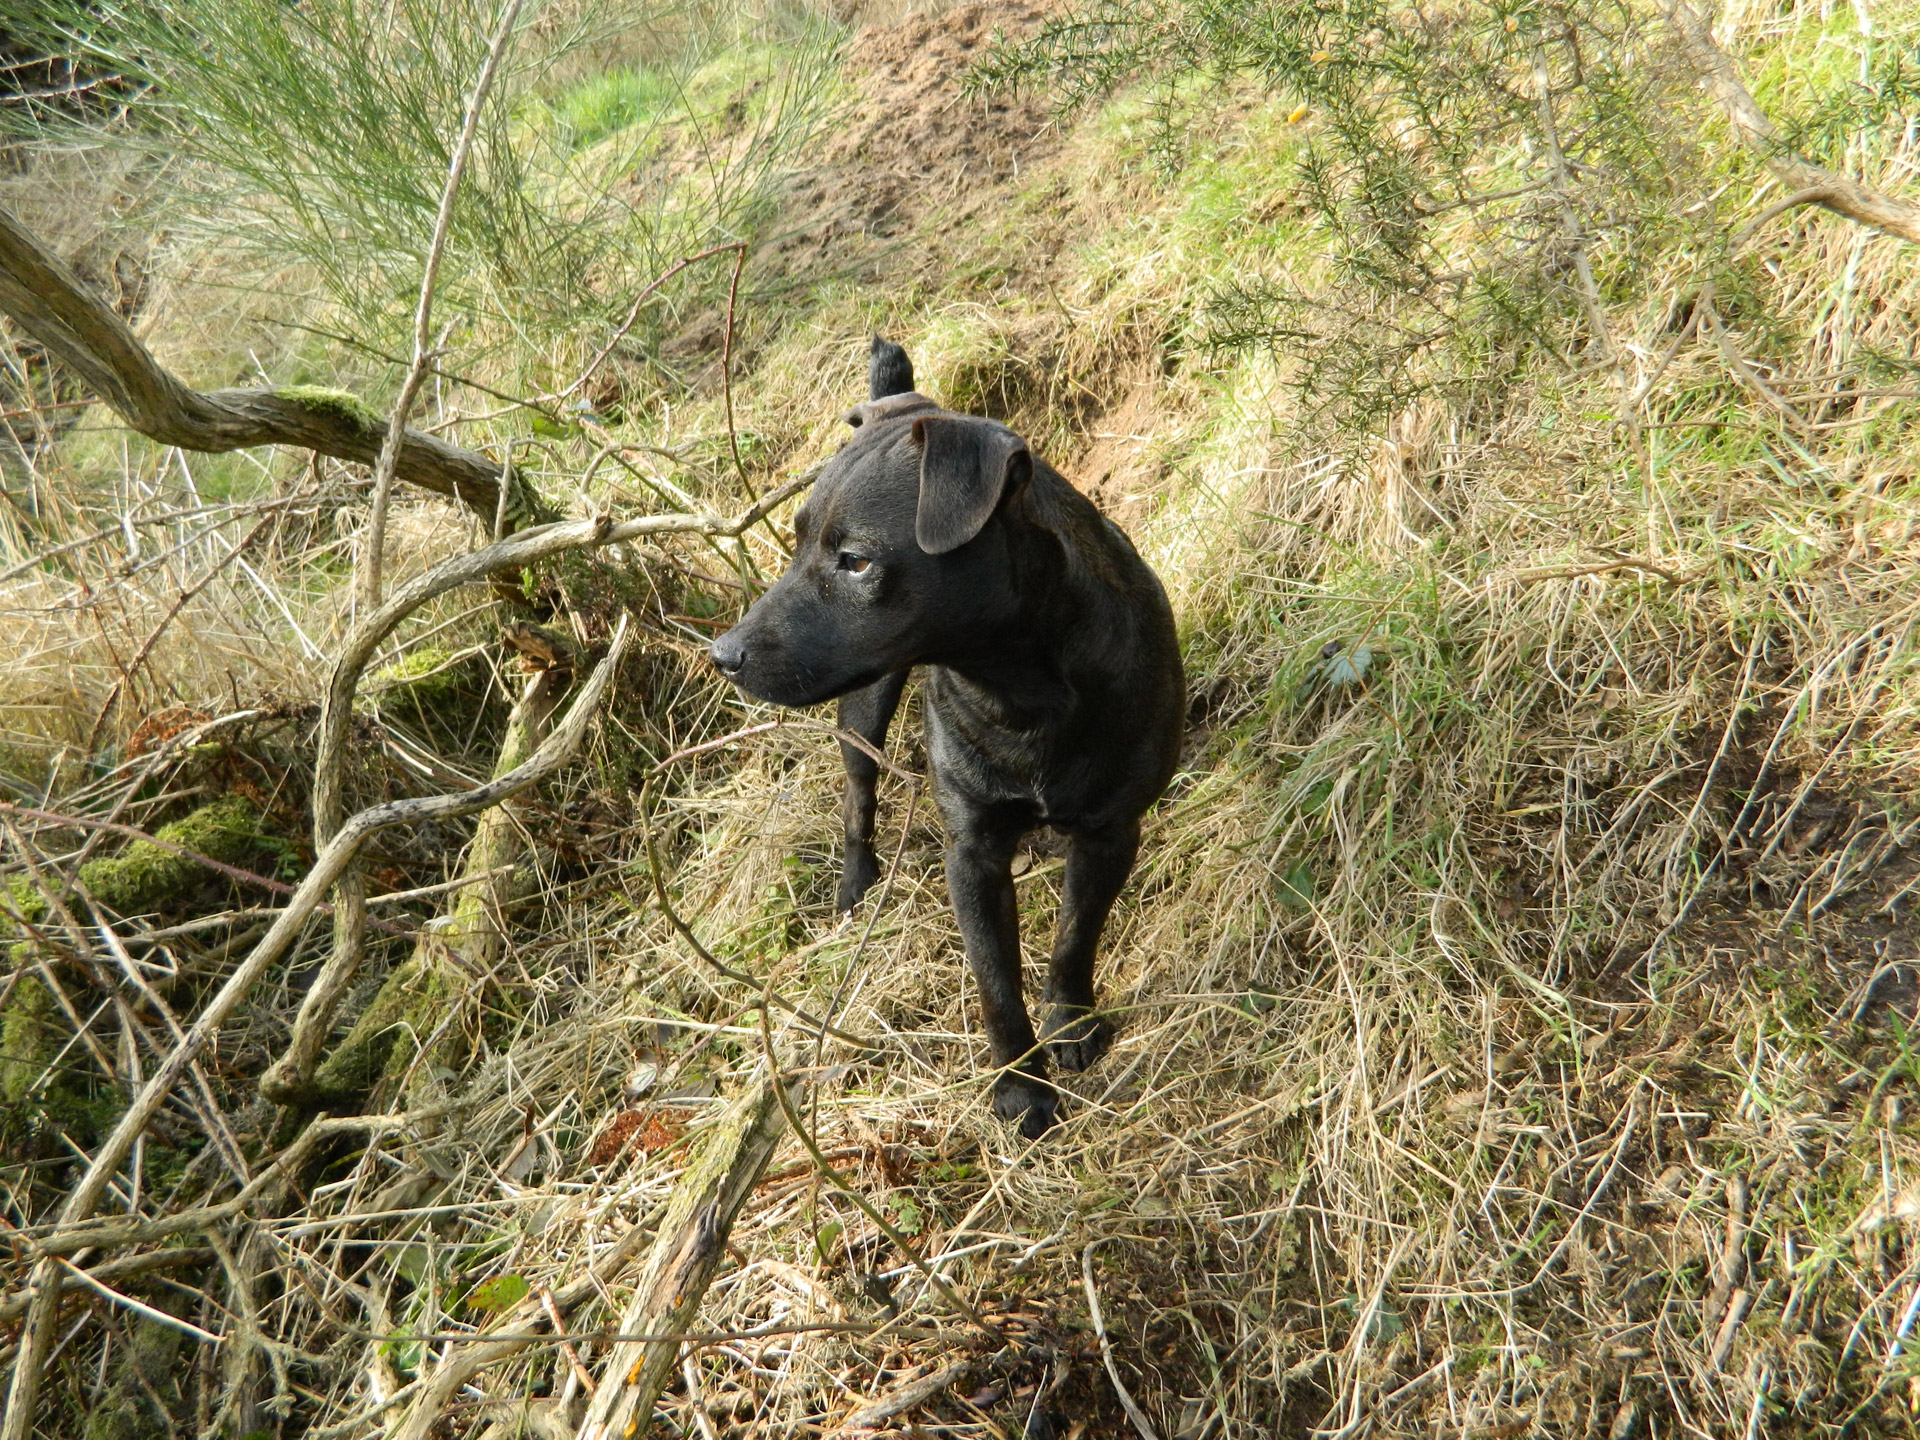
{"x": 967, "y": 467}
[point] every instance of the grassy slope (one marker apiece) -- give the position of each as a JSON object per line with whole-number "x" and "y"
{"x": 1493, "y": 1020}
{"x": 1460, "y": 1032}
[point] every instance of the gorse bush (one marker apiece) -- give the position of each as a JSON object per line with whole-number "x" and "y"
{"x": 322, "y": 132}
{"x": 1489, "y": 183}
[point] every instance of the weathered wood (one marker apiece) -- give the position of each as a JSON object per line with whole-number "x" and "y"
{"x": 1811, "y": 184}
{"x": 36, "y": 1334}
{"x": 904, "y": 1397}
{"x": 52, "y": 304}
{"x": 692, "y": 1240}
{"x": 466, "y": 1361}
{"x": 467, "y": 940}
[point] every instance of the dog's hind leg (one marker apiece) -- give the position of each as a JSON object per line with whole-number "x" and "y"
{"x": 1097, "y": 867}
{"x": 866, "y": 713}
{"x": 980, "y": 845}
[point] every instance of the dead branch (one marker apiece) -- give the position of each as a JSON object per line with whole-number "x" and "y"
{"x": 127, "y": 1230}
{"x": 127, "y": 1267}
{"x": 373, "y": 552}
{"x": 469, "y": 939}
{"x": 1812, "y": 184}
{"x": 37, "y": 1333}
{"x": 876, "y": 1413}
{"x": 289, "y": 1076}
{"x": 431, "y": 1393}
{"x": 692, "y": 1240}
{"x": 47, "y": 300}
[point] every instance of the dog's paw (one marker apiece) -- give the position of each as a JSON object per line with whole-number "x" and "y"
{"x": 1076, "y": 1037}
{"x": 862, "y": 869}
{"x": 1024, "y": 1099}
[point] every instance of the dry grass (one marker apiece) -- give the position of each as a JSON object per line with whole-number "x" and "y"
{"x": 1511, "y": 1041}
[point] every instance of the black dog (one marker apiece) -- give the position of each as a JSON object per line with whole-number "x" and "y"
{"x": 1054, "y": 692}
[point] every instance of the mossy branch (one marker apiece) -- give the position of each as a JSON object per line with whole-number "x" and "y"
{"x": 1810, "y": 184}
{"x": 51, "y": 303}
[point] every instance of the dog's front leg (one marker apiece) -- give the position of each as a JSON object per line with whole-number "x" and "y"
{"x": 980, "y": 844}
{"x": 1097, "y": 867}
{"x": 866, "y": 713}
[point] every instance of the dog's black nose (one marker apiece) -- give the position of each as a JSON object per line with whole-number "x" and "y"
{"x": 728, "y": 654}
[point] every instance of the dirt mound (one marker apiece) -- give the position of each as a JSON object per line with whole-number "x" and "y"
{"x": 914, "y": 154}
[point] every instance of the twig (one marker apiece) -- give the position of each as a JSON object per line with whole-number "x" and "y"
{"x": 619, "y": 1337}
{"x": 434, "y": 1391}
{"x": 1744, "y": 372}
{"x": 367, "y": 592}
{"x": 904, "y": 1397}
{"x": 172, "y": 1322}
{"x": 114, "y": 1234}
{"x": 692, "y": 1242}
{"x": 232, "y": 872}
{"x": 580, "y": 1372}
{"x": 1812, "y": 195}
{"x": 1132, "y": 1406}
{"x": 213, "y": 573}
{"x": 726, "y": 373}
{"x": 1813, "y": 184}
{"x": 1578, "y": 572}
{"x": 14, "y": 1306}
{"x": 633, "y": 313}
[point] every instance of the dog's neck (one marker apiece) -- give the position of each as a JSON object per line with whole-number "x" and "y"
{"x": 1021, "y": 672}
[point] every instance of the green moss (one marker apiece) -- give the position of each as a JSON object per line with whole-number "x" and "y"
{"x": 432, "y": 684}
{"x": 25, "y": 900}
{"x": 407, "y": 1009}
{"x": 26, "y": 1035}
{"x": 431, "y": 667}
{"x": 146, "y": 876}
{"x": 336, "y": 404}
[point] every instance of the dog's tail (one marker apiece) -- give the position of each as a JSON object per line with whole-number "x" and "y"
{"x": 889, "y": 371}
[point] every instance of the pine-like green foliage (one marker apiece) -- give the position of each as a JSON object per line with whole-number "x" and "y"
{"x": 1489, "y": 182}
{"x": 318, "y": 136}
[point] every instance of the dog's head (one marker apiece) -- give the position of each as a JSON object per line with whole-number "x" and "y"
{"x": 898, "y": 556}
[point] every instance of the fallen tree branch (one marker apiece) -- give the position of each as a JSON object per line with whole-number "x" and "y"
{"x": 51, "y": 303}
{"x": 1812, "y": 184}
{"x": 467, "y": 939}
{"x": 876, "y": 1413}
{"x": 691, "y": 1243}
{"x": 456, "y": 1368}
{"x": 37, "y": 1333}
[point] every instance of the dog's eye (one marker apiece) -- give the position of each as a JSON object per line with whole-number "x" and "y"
{"x": 854, "y": 564}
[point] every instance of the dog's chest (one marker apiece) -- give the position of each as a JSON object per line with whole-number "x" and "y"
{"x": 979, "y": 751}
